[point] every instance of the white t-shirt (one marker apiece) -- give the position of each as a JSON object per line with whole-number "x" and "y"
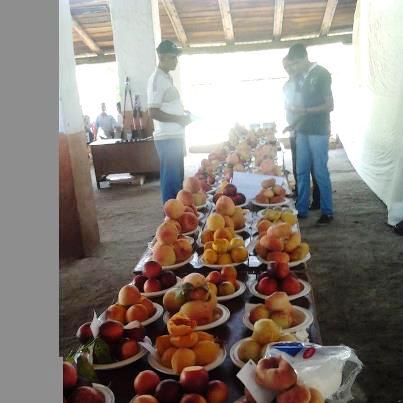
{"x": 162, "y": 94}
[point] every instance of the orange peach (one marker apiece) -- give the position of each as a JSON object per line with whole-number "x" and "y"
{"x": 236, "y": 242}
{"x": 207, "y": 236}
{"x": 194, "y": 379}
{"x": 182, "y": 358}
{"x": 239, "y": 254}
{"x": 283, "y": 319}
{"x": 167, "y": 233}
{"x": 268, "y": 183}
{"x": 224, "y": 258}
{"x": 278, "y": 257}
{"x": 152, "y": 285}
{"x": 173, "y": 300}
{"x": 166, "y": 357}
{"x": 185, "y": 197}
{"x": 279, "y": 230}
{"x": 137, "y": 312}
{"x": 129, "y": 295}
{"x": 116, "y": 312}
{"x": 229, "y": 221}
{"x": 145, "y": 382}
{"x": 225, "y": 206}
{"x": 188, "y": 222}
{"x": 206, "y": 352}
{"x": 274, "y": 244}
{"x": 238, "y": 219}
{"x": 182, "y": 249}
{"x": 261, "y": 251}
{"x": 214, "y": 277}
{"x": 279, "y": 191}
{"x": 293, "y": 242}
{"x": 221, "y": 245}
{"x": 265, "y": 331}
{"x": 162, "y": 343}
{"x": 222, "y": 233}
{"x": 215, "y": 221}
{"x": 208, "y": 245}
{"x": 298, "y": 393}
{"x": 263, "y": 226}
{"x": 229, "y": 273}
{"x": 148, "y": 305}
{"x": 164, "y": 254}
{"x": 175, "y": 223}
{"x": 226, "y": 288}
{"x": 210, "y": 256}
{"x": 188, "y": 340}
{"x": 278, "y": 301}
{"x": 258, "y": 312}
{"x": 173, "y": 208}
{"x": 192, "y": 184}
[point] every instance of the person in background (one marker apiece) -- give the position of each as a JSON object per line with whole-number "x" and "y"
{"x": 312, "y": 132}
{"x": 88, "y": 129}
{"x": 119, "y": 128}
{"x": 293, "y": 98}
{"x": 169, "y": 118}
{"x": 106, "y": 122}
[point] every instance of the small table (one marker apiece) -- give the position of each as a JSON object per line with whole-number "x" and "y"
{"x": 112, "y": 156}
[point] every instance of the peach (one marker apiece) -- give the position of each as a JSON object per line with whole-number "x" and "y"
{"x": 202, "y": 336}
{"x": 267, "y": 286}
{"x": 215, "y": 221}
{"x": 173, "y": 300}
{"x": 182, "y": 358}
{"x": 214, "y": 277}
{"x": 148, "y": 305}
{"x": 263, "y": 226}
{"x": 222, "y": 233}
{"x": 173, "y": 208}
{"x": 167, "y": 233}
{"x": 224, "y": 258}
{"x": 261, "y": 198}
{"x": 229, "y": 222}
{"x": 278, "y": 190}
{"x": 182, "y": 249}
{"x": 168, "y": 391}
{"x": 264, "y": 241}
{"x": 188, "y": 222}
{"x": 207, "y": 236}
{"x": 191, "y": 184}
{"x": 129, "y": 295}
{"x": 174, "y": 223}
{"x": 225, "y": 206}
{"x": 235, "y": 243}
{"x": 289, "y": 216}
{"x": 199, "y": 311}
{"x": 288, "y": 337}
{"x": 84, "y": 333}
{"x": 70, "y": 375}
{"x": 152, "y": 269}
{"x": 229, "y": 273}
{"x": 152, "y": 285}
{"x": 276, "y": 199}
{"x": 238, "y": 219}
{"x": 239, "y": 254}
{"x": 185, "y": 197}
{"x": 274, "y": 244}
{"x": 191, "y": 210}
{"x": 166, "y": 358}
{"x": 249, "y": 350}
{"x": 194, "y": 379}
{"x": 144, "y": 399}
{"x": 278, "y": 301}
{"x": 86, "y": 394}
{"x": 293, "y": 242}
{"x": 206, "y": 352}
{"x": 111, "y": 331}
{"x": 116, "y": 312}
{"x": 164, "y": 254}
{"x": 316, "y": 396}
{"x": 217, "y": 392}
{"x": 278, "y": 257}
{"x": 137, "y": 312}
{"x": 279, "y": 230}
{"x": 167, "y": 279}
{"x": 145, "y": 382}
{"x": 193, "y": 398}
{"x": 268, "y": 183}
{"x": 226, "y": 288}
{"x": 275, "y": 373}
{"x": 265, "y": 331}
{"x": 136, "y": 333}
{"x": 258, "y": 312}
{"x": 180, "y": 324}
{"x": 162, "y": 343}
{"x": 210, "y": 256}
{"x": 221, "y": 245}
{"x": 283, "y": 319}
{"x": 212, "y": 288}
{"x": 199, "y": 198}
{"x": 188, "y": 340}
{"x": 280, "y": 270}
{"x": 300, "y": 252}
{"x": 298, "y": 393}
{"x": 291, "y": 285}
{"x": 261, "y": 251}
{"x": 127, "y": 348}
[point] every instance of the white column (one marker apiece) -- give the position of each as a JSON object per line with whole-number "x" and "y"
{"x": 136, "y": 34}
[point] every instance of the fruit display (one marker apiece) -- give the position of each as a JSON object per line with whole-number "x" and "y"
{"x": 183, "y": 346}
{"x": 78, "y": 389}
{"x": 181, "y": 212}
{"x": 154, "y": 279}
{"x": 265, "y": 152}
{"x": 194, "y": 298}
{"x": 279, "y": 244}
{"x": 233, "y": 215}
{"x": 192, "y": 185}
{"x": 230, "y": 191}
{"x": 131, "y": 306}
{"x": 274, "y": 215}
{"x": 169, "y": 248}
{"x": 225, "y": 281}
{"x": 206, "y": 175}
{"x": 278, "y": 277}
{"x": 270, "y": 193}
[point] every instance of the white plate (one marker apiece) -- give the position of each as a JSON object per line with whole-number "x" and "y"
{"x": 107, "y": 393}
{"x": 219, "y": 266}
{"x": 224, "y": 318}
{"x": 290, "y": 264}
{"x": 302, "y": 326}
{"x": 162, "y": 292}
{"x": 243, "y": 204}
{"x": 178, "y": 265}
{"x": 114, "y": 365}
{"x": 202, "y": 206}
{"x": 159, "y": 310}
{"x": 241, "y": 289}
{"x": 199, "y": 242}
{"x": 283, "y": 203}
{"x": 260, "y": 213}
{"x": 200, "y": 216}
{"x": 306, "y": 288}
{"x": 153, "y": 361}
{"x": 191, "y": 232}
{"x": 233, "y": 353}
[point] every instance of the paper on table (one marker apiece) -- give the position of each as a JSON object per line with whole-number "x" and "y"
{"x": 247, "y": 376}
{"x": 250, "y": 184}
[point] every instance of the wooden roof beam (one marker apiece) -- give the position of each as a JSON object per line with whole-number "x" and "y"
{"x": 86, "y": 38}
{"x": 227, "y": 21}
{"x": 328, "y": 17}
{"x": 175, "y": 21}
{"x": 278, "y": 19}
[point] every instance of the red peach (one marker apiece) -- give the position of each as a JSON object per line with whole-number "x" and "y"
{"x": 214, "y": 277}
{"x": 185, "y": 197}
{"x": 126, "y": 348}
{"x": 152, "y": 285}
{"x": 267, "y": 286}
{"x": 145, "y": 382}
{"x": 152, "y": 269}
{"x": 84, "y": 333}
{"x": 290, "y": 285}
{"x": 188, "y": 222}
{"x": 194, "y": 379}
{"x": 111, "y": 331}
{"x": 217, "y": 392}
{"x": 70, "y": 375}
{"x": 139, "y": 281}
{"x": 116, "y": 312}
{"x": 280, "y": 269}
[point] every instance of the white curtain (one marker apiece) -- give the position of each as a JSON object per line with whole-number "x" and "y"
{"x": 373, "y": 132}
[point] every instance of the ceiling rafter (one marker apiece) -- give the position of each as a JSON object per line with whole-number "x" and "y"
{"x": 86, "y": 38}
{"x": 226, "y": 21}
{"x": 328, "y": 17}
{"x": 175, "y": 21}
{"x": 278, "y": 19}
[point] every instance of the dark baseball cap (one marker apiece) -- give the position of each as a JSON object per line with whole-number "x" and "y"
{"x": 168, "y": 46}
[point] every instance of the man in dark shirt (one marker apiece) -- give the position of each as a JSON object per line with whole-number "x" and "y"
{"x": 313, "y": 129}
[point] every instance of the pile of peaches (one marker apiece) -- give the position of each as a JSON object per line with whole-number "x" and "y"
{"x": 182, "y": 212}
{"x": 270, "y": 193}
{"x": 183, "y": 346}
{"x": 277, "y": 243}
{"x": 193, "y": 186}
{"x": 221, "y": 245}
{"x": 205, "y": 174}
{"x": 153, "y": 278}
{"x": 225, "y": 281}
{"x": 193, "y": 386}
{"x": 273, "y": 215}
{"x": 233, "y": 215}
{"x": 231, "y": 191}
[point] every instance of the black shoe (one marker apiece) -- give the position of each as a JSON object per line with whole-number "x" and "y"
{"x": 325, "y": 219}
{"x": 314, "y": 206}
{"x": 302, "y": 216}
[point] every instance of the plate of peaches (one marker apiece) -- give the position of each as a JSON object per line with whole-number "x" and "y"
{"x": 255, "y": 285}
{"x": 290, "y": 263}
{"x": 284, "y": 202}
{"x": 225, "y": 283}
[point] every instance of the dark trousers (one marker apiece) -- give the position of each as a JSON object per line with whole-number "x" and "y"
{"x": 315, "y": 187}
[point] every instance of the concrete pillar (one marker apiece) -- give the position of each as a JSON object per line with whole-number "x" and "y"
{"x": 78, "y": 232}
{"x": 136, "y": 34}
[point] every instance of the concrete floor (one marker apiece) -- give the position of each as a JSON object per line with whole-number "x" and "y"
{"x": 356, "y": 270}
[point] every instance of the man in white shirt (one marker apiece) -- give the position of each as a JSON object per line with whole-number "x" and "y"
{"x": 106, "y": 122}
{"x": 169, "y": 118}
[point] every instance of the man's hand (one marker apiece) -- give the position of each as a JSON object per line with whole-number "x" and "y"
{"x": 185, "y": 120}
